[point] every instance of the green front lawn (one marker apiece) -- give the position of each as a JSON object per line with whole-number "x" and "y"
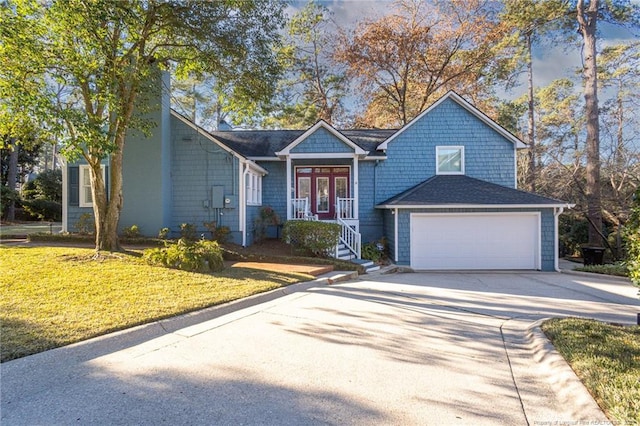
{"x": 27, "y": 228}
{"x": 54, "y": 296}
{"x": 607, "y": 359}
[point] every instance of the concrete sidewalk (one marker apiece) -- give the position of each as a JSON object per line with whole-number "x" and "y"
{"x": 389, "y": 349}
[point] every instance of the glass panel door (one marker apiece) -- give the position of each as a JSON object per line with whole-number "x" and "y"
{"x": 322, "y": 194}
{"x": 321, "y": 185}
{"x": 343, "y": 207}
{"x": 304, "y": 188}
{"x": 341, "y": 187}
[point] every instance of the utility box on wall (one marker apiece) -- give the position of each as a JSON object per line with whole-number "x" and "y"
{"x": 217, "y": 197}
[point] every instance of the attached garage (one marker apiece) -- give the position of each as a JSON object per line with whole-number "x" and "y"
{"x": 475, "y": 241}
{"x": 455, "y": 222}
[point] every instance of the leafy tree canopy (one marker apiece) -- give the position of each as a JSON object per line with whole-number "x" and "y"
{"x": 87, "y": 69}
{"x": 404, "y": 60}
{"x": 47, "y": 186}
{"x": 314, "y": 84}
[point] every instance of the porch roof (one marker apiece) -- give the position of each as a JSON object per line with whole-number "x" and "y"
{"x": 449, "y": 191}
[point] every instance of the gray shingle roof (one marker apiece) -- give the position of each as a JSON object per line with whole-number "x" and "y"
{"x": 369, "y": 139}
{"x": 265, "y": 143}
{"x": 452, "y": 190}
{"x": 257, "y": 143}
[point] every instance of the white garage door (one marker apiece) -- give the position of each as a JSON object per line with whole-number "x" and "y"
{"x": 475, "y": 241}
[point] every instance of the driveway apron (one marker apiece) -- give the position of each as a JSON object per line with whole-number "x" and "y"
{"x": 419, "y": 348}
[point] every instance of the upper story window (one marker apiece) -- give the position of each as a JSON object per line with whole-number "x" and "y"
{"x": 253, "y": 186}
{"x": 450, "y": 160}
{"x": 85, "y": 199}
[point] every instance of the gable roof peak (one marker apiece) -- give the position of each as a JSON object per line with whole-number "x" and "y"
{"x": 467, "y": 106}
{"x": 311, "y": 130}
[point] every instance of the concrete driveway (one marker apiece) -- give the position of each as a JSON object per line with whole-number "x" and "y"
{"x": 414, "y": 348}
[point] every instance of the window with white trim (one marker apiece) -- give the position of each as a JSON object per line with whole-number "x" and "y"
{"x": 253, "y": 186}
{"x": 85, "y": 198}
{"x": 450, "y": 160}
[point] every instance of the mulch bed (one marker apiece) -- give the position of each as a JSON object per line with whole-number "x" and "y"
{"x": 269, "y": 247}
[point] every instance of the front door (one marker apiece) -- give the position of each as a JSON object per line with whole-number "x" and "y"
{"x": 322, "y": 185}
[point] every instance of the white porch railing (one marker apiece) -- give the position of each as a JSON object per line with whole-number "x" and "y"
{"x": 350, "y": 238}
{"x": 344, "y": 208}
{"x": 301, "y": 210}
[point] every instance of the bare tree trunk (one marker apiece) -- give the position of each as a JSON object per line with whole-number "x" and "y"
{"x": 532, "y": 174}
{"x": 98, "y": 197}
{"x": 619, "y": 154}
{"x": 111, "y": 241}
{"x": 587, "y": 20}
{"x": 109, "y": 209}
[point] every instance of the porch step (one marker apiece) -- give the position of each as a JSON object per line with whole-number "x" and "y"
{"x": 344, "y": 253}
{"x": 368, "y": 265}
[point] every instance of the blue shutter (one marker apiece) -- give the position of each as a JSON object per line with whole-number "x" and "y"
{"x": 74, "y": 185}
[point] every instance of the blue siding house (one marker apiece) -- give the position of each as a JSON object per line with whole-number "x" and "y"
{"x": 441, "y": 190}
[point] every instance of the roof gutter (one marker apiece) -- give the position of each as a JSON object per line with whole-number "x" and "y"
{"x": 366, "y": 158}
{"x": 474, "y": 206}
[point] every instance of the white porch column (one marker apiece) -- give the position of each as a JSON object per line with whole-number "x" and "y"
{"x": 65, "y": 196}
{"x": 356, "y": 201}
{"x": 288, "y": 187}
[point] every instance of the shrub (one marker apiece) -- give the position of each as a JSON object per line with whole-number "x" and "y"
{"x": 211, "y": 227}
{"x": 131, "y": 232}
{"x": 85, "y": 224}
{"x": 267, "y": 217}
{"x": 47, "y": 185}
{"x": 42, "y": 209}
{"x": 163, "y": 234}
{"x": 201, "y": 256}
{"x": 373, "y": 251}
{"x": 574, "y": 232}
{"x": 618, "y": 269}
{"x": 7, "y": 196}
{"x": 218, "y": 233}
{"x": 221, "y": 234}
{"x": 319, "y": 238}
{"x": 188, "y": 231}
{"x": 632, "y": 239}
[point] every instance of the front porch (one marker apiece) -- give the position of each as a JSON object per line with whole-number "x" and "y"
{"x": 350, "y": 241}
{"x": 322, "y": 182}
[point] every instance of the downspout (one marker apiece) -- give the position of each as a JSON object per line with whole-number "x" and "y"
{"x": 375, "y": 182}
{"x": 395, "y": 237}
{"x": 242, "y": 201}
{"x": 556, "y": 213}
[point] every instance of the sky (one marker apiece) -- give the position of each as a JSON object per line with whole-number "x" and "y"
{"x": 549, "y": 62}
